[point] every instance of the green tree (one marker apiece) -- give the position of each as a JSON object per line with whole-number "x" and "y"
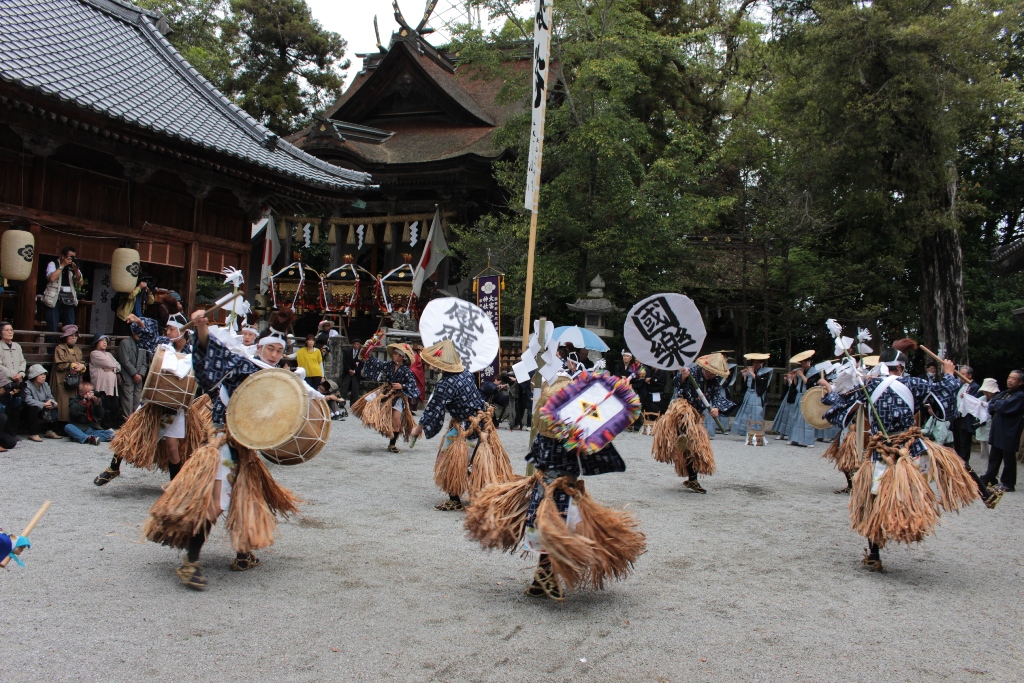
{"x": 196, "y": 34}
{"x": 285, "y": 65}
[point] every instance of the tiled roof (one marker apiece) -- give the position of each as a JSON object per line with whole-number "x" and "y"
{"x": 110, "y": 57}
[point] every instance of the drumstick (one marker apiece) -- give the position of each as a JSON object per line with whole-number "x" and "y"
{"x": 28, "y": 529}
{"x": 209, "y": 312}
{"x": 935, "y": 357}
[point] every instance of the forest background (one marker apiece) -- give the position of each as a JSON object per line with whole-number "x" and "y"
{"x": 779, "y": 162}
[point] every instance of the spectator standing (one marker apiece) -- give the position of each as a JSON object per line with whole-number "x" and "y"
{"x": 59, "y": 297}
{"x": 524, "y": 404}
{"x": 13, "y": 361}
{"x": 39, "y": 405}
{"x": 134, "y": 360}
{"x": 311, "y": 360}
{"x": 989, "y": 388}
{"x": 497, "y": 394}
{"x": 67, "y": 361}
{"x": 134, "y": 303}
{"x": 1007, "y": 411}
{"x": 86, "y": 413}
{"x": 7, "y": 441}
{"x": 103, "y": 371}
{"x": 351, "y": 370}
{"x": 964, "y": 425}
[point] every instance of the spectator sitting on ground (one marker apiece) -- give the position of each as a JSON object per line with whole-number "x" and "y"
{"x": 40, "y": 405}
{"x": 86, "y": 412}
{"x": 329, "y": 388}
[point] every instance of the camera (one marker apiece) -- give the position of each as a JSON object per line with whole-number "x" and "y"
{"x": 101, "y": 394}
{"x": 12, "y": 387}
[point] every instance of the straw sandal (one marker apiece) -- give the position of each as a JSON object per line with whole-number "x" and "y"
{"x": 694, "y": 486}
{"x": 545, "y": 583}
{"x": 191, "y": 575}
{"x": 106, "y": 476}
{"x": 394, "y": 449}
{"x": 450, "y": 506}
{"x": 242, "y": 564}
{"x": 872, "y": 564}
{"x": 846, "y": 490}
{"x": 995, "y": 494}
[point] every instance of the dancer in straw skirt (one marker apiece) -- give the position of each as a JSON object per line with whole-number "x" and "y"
{"x": 580, "y": 543}
{"x": 680, "y": 437}
{"x": 221, "y": 475}
{"x": 457, "y": 469}
{"x": 386, "y": 408}
{"x": 755, "y": 382}
{"x": 153, "y": 434}
{"x": 892, "y": 499}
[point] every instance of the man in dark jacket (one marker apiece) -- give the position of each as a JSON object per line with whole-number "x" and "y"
{"x": 964, "y": 426}
{"x": 1007, "y": 411}
{"x": 497, "y": 394}
{"x": 351, "y": 369}
{"x": 134, "y": 360}
{"x": 86, "y": 412}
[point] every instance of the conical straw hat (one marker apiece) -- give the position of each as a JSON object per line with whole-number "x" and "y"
{"x": 443, "y": 356}
{"x": 757, "y": 356}
{"x": 716, "y": 363}
{"x": 403, "y": 348}
{"x": 802, "y": 356}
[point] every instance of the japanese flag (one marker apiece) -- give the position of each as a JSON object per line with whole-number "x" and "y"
{"x": 433, "y": 252}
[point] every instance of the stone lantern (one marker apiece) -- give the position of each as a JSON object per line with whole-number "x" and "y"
{"x": 595, "y": 309}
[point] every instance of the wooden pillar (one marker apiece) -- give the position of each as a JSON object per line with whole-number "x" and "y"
{"x": 188, "y": 297}
{"x": 25, "y": 310}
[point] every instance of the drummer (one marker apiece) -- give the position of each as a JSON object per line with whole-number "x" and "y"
{"x": 172, "y": 423}
{"x": 219, "y": 371}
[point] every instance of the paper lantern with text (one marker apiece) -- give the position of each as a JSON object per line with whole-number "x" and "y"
{"x": 17, "y": 251}
{"x": 124, "y": 270}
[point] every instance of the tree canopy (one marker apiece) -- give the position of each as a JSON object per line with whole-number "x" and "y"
{"x": 780, "y": 162}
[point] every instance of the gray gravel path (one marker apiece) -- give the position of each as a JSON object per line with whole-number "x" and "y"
{"x": 759, "y": 580}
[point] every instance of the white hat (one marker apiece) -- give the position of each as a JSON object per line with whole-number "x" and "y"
{"x": 177, "y": 320}
{"x": 988, "y": 385}
{"x": 274, "y": 337}
{"x": 37, "y": 369}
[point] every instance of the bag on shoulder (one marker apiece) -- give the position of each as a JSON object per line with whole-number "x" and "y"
{"x": 52, "y": 293}
{"x": 72, "y": 380}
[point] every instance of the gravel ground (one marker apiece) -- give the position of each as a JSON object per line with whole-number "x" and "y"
{"x": 759, "y": 580}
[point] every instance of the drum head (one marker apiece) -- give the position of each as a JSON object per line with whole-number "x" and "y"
{"x": 813, "y": 409}
{"x": 267, "y": 409}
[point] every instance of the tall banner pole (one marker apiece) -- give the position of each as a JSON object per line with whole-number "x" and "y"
{"x": 541, "y": 52}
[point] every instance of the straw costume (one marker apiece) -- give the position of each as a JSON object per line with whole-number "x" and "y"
{"x": 680, "y": 437}
{"x": 755, "y": 383}
{"x": 892, "y": 499}
{"x": 386, "y": 409}
{"x": 156, "y": 436}
{"x": 580, "y": 542}
{"x": 471, "y": 455}
{"x": 220, "y": 475}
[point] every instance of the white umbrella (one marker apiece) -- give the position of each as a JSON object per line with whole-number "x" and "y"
{"x": 579, "y": 337}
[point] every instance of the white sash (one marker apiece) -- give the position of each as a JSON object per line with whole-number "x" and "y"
{"x": 897, "y": 387}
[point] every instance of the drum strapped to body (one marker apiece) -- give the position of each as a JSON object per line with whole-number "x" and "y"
{"x": 165, "y": 388}
{"x": 271, "y": 412}
{"x": 813, "y": 409}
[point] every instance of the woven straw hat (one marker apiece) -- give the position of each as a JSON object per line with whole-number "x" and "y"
{"x": 757, "y": 356}
{"x": 716, "y": 363}
{"x": 802, "y": 356}
{"x": 443, "y": 356}
{"x": 403, "y": 348}
{"x": 870, "y": 361}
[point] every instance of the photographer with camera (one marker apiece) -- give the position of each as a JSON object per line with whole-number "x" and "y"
{"x": 40, "y": 406}
{"x": 13, "y": 361}
{"x": 59, "y": 297}
{"x": 86, "y": 411}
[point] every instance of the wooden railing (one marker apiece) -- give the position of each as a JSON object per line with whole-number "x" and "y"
{"x": 38, "y": 347}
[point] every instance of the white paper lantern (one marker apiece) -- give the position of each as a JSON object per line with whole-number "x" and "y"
{"x": 124, "y": 270}
{"x": 17, "y": 251}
